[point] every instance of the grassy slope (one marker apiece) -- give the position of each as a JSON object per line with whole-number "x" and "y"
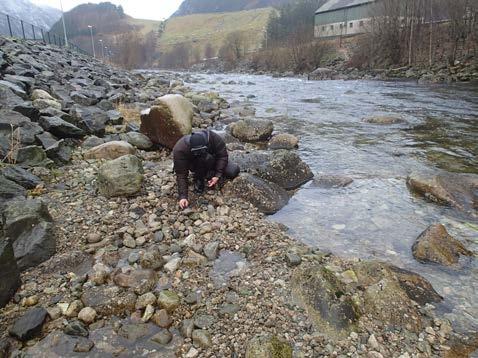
{"x": 199, "y": 30}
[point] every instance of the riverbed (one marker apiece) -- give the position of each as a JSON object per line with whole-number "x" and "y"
{"x": 376, "y": 216}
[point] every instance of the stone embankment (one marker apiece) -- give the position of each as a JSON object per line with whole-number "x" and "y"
{"x": 96, "y": 259}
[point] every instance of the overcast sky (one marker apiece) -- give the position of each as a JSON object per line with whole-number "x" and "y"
{"x": 141, "y": 9}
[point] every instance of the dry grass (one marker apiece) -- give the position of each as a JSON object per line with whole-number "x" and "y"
{"x": 15, "y": 144}
{"x": 197, "y": 31}
{"x": 130, "y": 114}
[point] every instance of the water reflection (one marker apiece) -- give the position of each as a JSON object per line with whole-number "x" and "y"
{"x": 375, "y": 216}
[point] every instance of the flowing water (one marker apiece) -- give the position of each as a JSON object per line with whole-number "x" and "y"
{"x": 375, "y": 217}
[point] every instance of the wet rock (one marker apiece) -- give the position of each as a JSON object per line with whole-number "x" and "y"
{"x": 163, "y": 337}
{"x": 168, "y": 300}
{"x": 337, "y": 306}
{"x": 268, "y": 347}
{"x": 383, "y": 120}
{"x": 60, "y": 128}
{"x": 29, "y": 224}
{"x": 121, "y": 177}
{"x": 110, "y": 150}
{"x": 252, "y": 130}
{"x": 168, "y": 120}
{"x": 9, "y": 272}
{"x": 266, "y": 196}
{"x": 331, "y": 181}
{"x": 87, "y": 315}
{"x": 457, "y": 190}
{"x": 283, "y": 141}
{"x": 202, "y": 338}
{"x": 138, "y": 140}
{"x": 286, "y": 169}
{"x": 109, "y": 301}
{"x": 416, "y": 287}
{"x": 76, "y": 329}
{"x": 436, "y": 245}
{"x": 29, "y": 325}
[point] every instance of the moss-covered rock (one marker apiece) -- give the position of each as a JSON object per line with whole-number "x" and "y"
{"x": 268, "y": 347}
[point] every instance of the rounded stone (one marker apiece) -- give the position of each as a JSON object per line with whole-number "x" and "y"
{"x": 87, "y": 315}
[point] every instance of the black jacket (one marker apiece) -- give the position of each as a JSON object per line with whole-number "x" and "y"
{"x": 184, "y": 161}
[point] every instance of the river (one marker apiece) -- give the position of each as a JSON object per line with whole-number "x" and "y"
{"x": 375, "y": 217}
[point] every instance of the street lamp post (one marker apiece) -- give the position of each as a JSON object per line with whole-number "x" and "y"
{"x": 92, "y": 41}
{"x": 64, "y": 26}
{"x": 102, "y": 49}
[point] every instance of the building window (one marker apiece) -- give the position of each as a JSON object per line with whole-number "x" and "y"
{"x": 331, "y": 27}
{"x": 323, "y": 28}
{"x": 361, "y": 23}
{"x": 341, "y": 26}
{"x": 351, "y": 24}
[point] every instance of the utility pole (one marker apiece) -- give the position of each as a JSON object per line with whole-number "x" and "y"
{"x": 431, "y": 34}
{"x": 92, "y": 41}
{"x": 64, "y": 26}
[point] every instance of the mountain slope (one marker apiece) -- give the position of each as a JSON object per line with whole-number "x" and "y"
{"x": 189, "y": 7}
{"x": 111, "y": 28}
{"x": 42, "y": 16}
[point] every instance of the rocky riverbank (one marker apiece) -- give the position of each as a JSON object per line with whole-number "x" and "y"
{"x": 338, "y": 69}
{"x": 101, "y": 261}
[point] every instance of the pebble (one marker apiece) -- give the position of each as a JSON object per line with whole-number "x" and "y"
{"x": 168, "y": 300}
{"x": 93, "y": 238}
{"x": 202, "y": 338}
{"x": 172, "y": 265}
{"x": 148, "y": 313}
{"x": 187, "y": 327}
{"x": 293, "y": 259}
{"x": 87, "y": 315}
{"x": 192, "y": 353}
{"x": 74, "y": 308}
{"x": 163, "y": 337}
{"x": 372, "y": 342}
{"x": 133, "y": 257}
{"x": 162, "y": 319}
{"x": 76, "y": 328}
{"x": 144, "y": 300}
{"x": 211, "y": 250}
{"x": 129, "y": 242}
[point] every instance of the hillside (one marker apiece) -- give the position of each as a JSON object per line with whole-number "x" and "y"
{"x": 197, "y": 32}
{"x": 190, "y": 7}
{"x": 42, "y": 16}
{"x": 110, "y": 24}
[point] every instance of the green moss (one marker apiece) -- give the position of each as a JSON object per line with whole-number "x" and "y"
{"x": 280, "y": 349}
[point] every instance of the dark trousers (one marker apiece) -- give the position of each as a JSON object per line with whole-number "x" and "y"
{"x": 205, "y": 169}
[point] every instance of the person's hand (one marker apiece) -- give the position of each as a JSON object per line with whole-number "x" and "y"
{"x": 212, "y": 182}
{"x": 183, "y": 203}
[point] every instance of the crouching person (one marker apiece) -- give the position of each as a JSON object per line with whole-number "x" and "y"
{"x": 204, "y": 154}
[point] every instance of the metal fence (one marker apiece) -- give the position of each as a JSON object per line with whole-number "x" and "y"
{"x": 14, "y": 27}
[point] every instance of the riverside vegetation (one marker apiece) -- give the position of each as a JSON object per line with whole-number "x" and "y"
{"x": 96, "y": 259}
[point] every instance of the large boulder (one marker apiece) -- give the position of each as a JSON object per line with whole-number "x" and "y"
{"x": 9, "y": 273}
{"x": 339, "y": 296}
{"x": 60, "y": 128}
{"x": 29, "y": 225}
{"x": 60, "y": 152}
{"x": 283, "y": 141}
{"x": 252, "y": 130}
{"x": 121, "y": 177}
{"x": 92, "y": 120}
{"x": 266, "y": 196}
{"x": 436, "y": 245}
{"x": 110, "y": 150}
{"x": 286, "y": 169}
{"x": 457, "y": 190}
{"x": 283, "y": 167}
{"x": 168, "y": 120}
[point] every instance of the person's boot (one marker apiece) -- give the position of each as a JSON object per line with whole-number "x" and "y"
{"x": 199, "y": 186}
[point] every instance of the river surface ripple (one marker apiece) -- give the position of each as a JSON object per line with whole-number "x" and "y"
{"x": 375, "y": 217}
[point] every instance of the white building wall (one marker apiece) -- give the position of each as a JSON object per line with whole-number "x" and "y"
{"x": 349, "y": 28}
